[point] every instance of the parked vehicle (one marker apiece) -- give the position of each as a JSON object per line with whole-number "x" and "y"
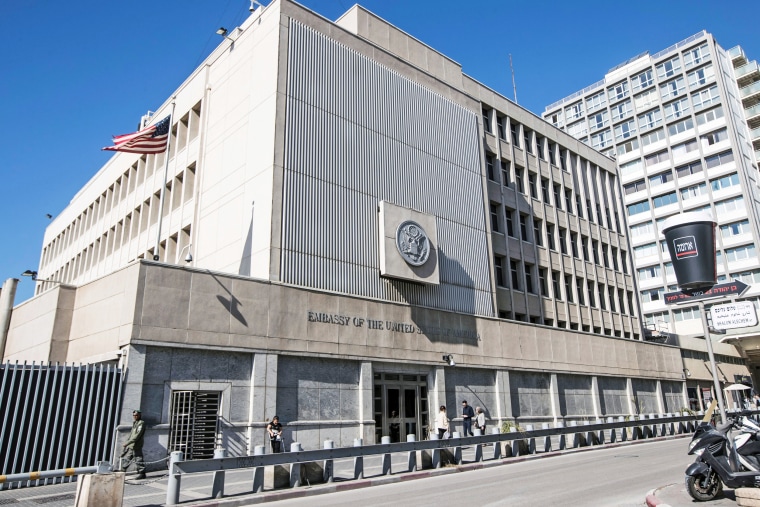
{"x": 723, "y": 460}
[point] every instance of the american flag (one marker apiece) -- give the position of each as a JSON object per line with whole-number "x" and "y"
{"x": 151, "y": 139}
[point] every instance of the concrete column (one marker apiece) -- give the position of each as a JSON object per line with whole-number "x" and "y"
{"x": 438, "y": 394}
{"x": 554, "y": 393}
{"x": 7, "y": 296}
{"x": 660, "y": 401}
{"x": 263, "y": 397}
{"x": 629, "y": 395}
{"x": 595, "y": 396}
{"x": 366, "y": 413}
{"x": 503, "y": 397}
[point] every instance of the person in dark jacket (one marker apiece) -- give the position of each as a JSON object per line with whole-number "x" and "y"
{"x": 467, "y": 415}
{"x": 133, "y": 447}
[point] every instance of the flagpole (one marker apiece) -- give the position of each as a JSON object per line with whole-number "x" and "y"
{"x": 163, "y": 185}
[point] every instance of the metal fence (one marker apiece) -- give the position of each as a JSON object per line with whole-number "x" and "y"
{"x": 56, "y": 416}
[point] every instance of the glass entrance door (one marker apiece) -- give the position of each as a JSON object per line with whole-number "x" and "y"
{"x": 400, "y": 406}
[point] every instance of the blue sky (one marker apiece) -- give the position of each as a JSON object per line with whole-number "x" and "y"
{"x": 78, "y": 72}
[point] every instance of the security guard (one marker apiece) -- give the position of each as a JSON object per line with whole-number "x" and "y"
{"x": 133, "y": 447}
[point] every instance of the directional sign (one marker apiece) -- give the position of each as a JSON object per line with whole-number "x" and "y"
{"x": 733, "y": 288}
{"x": 734, "y": 315}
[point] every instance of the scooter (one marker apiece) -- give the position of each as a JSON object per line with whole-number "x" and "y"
{"x": 719, "y": 462}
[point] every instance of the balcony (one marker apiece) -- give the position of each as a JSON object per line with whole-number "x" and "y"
{"x": 751, "y": 112}
{"x": 755, "y": 134}
{"x": 750, "y": 90}
{"x": 746, "y": 70}
{"x": 737, "y": 56}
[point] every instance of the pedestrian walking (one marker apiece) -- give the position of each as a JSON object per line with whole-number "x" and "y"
{"x": 467, "y": 415}
{"x": 133, "y": 447}
{"x": 480, "y": 420}
{"x": 442, "y": 422}
{"x": 274, "y": 429}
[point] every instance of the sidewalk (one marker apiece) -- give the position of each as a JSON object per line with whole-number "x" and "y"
{"x": 675, "y": 495}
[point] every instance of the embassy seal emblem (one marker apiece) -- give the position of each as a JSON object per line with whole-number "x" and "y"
{"x": 412, "y": 243}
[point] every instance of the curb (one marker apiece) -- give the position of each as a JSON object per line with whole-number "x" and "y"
{"x": 322, "y": 489}
{"x": 652, "y": 500}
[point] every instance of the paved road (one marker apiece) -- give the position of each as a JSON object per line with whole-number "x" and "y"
{"x": 620, "y": 476}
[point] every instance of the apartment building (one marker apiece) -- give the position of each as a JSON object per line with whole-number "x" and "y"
{"x": 371, "y": 232}
{"x": 675, "y": 123}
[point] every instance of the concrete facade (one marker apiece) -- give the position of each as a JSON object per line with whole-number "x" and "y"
{"x": 284, "y": 145}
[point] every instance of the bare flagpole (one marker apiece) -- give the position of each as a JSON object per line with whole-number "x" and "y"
{"x": 163, "y": 184}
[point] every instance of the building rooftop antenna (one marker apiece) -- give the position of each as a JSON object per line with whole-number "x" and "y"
{"x": 514, "y": 85}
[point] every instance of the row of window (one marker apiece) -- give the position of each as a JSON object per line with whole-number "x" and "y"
{"x": 574, "y": 326}
{"x": 735, "y": 254}
{"x": 525, "y": 277}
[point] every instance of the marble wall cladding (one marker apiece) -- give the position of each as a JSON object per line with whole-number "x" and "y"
{"x": 531, "y": 394}
{"x": 645, "y": 396}
{"x": 613, "y": 396}
{"x": 576, "y": 397}
{"x": 476, "y": 386}
{"x": 315, "y": 389}
{"x": 672, "y": 396}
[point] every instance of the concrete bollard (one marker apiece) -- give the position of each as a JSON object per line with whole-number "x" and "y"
{"x": 496, "y": 445}
{"x": 258, "y": 472}
{"x": 217, "y": 488}
{"x": 435, "y": 454}
{"x": 562, "y": 437}
{"x": 457, "y": 455}
{"x": 412, "y": 456}
{"x": 100, "y": 490}
{"x": 531, "y": 441}
{"x": 576, "y": 435}
{"x": 173, "y": 484}
{"x": 515, "y": 443}
{"x": 547, "y": 438}
{"x": 295, "y": 468}
{"x": 358, "y": 461}
{"x": 613, "y": 431}
{"x": 600, "y": 435}
{"x": 623, "y": 430}
{"x": 386, "y": 459}
{"x": 329, "y": 468}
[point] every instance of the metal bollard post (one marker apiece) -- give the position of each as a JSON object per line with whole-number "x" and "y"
{"x": 172, "y": 487}
{"x": 217, "y": 487}
{"x": 358, "y": 461}
{"x": 328, "y": 474}
{"x": 562, "y": 437}
{"x": 412, "y": 458}
{"x": 295, "y": 468}
{"x": 496, "y": 445}
{"x": 258, "y": 472}
{"x": 547, "y": 438}
{"x": 386, "y": 465}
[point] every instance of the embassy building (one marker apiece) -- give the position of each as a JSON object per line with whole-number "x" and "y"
{"x": 682, "y": 125}
{"x": 373, "y": 234}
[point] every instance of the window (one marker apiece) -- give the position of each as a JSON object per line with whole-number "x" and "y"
{"x": 578, "y": 130}
{"x": 686, "y": 314}
{"x": 584, "y": 248}
{"x": 540, "y": 147}
{"x": 688, "y": 169}
{"x": 642, "y": 80}
{"x": 676, "y": 109}
{"x": 693, "y": 191}
{"x": 614, "y": 258}
{"x": 713, "y": 137}
{"x": 542, "y": 282}
{"x": 719, "y": 159}
{"x": 569, "y": 200}
{"x": 489, "y": 167}
{"x": 741, "y": 253}
{"x": 563, "y": 240}
{"x": 684, "y": 148}
{"x": 661, "y": 179}
{"x": 599, "y": 120}
{"x": 656, "y": 158}
{"x": 631, "y": 167}
{"x": 618, "y": 91}
{"x": 601, "y": 139}
{"x": 708, "y": 116}
{"x": 650, "y": 273}
{"x": 545, "y": 190}
{"x": 705, "y": 98}
{"x": 665, "y": 200}
{"x": 589, "y": 211}
{"x": 519, "y": 175}
{"x": 672, "y": 89}
{"x": 639, "y": 207}
{"x": 653, "y": 137}
{"x": 650, "y": 119}
{"x": 532, "y": 185}
{"x": 515, "y": 274}
{"x": 528, "y": 137}
{"x": 574, "y": 111}
{"x": 523, "y": 227}
{"x": 498, "y": 262}
{"x": 550, "y": 236}
{"x": 624, "y": 130}
{"x": 696, "y": 56}
{"x": 529, "y": 278}
{"x": 552, "y": 156}
{"x": 596, "y": 100}
{"x": 700, "y": 77}
{"x": 569, "y": 287}
{"x": 680, "y": 127}
{"x": 505, "y": 166}
{"x": 579, "y": 289}
{"x": 725, "y": 182}
{"x": 735, "y": 229}
{"x": 748, "y": 277}
{"x": 537, "y": 238}
{"x": 486, "y": 120}
{"x": 611, "y": 294}
{"x": 595, "y": 251}
{"x": 605, "y": 255}
{"x": 620, "y": 111}
{"x": 648, "y": 296}
{"x": 602, "y": 302}
{"x": 591, "y": 298}
{"x": 645, "y": 229}
{"x": 578, "y": 206}
{"x": 557, "y": 196}
{"x": 508, "y": 214}
{"x": 574, "y": 244}
{"x": 500, "y": 126}
{"x": 514, "y": 129}
{"x": 555, "y": 285}
{"x": 729, "y": 206}
{"x": 645, "y": 250}
{"x": 494, "y": 217}
{"x": 627, "y": 147}
{"x": 646, "y": 99}
{"x": 634, "y": 187}
{"x": 668, "y": 67}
